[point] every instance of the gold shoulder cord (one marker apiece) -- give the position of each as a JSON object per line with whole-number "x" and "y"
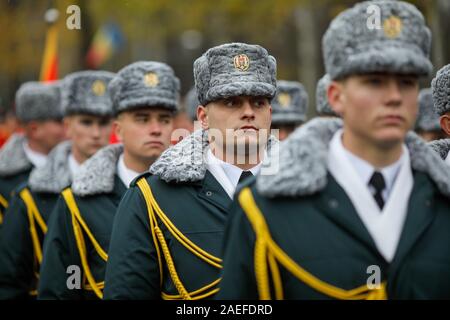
{"x": 267, "y": 250}
{"x": 34, "y": 217}
{"x": 79, "y": 225}
{"x": 154, "y": 212}
{"x": 4, "y": 204}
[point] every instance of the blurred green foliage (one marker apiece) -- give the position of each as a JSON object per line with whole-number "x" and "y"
{"x": 153, "y": 30}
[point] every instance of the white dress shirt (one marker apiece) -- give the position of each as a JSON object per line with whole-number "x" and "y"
{"x": 125, "y": 174}
{"x": 74, "y": 166}
{"x": 225, "y": 173}
{"x": 36, "y": 158}
{"x": 385, "y": 226}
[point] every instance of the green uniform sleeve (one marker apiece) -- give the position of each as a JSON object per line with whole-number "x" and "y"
{"x": 16, "y": 253}
{"x": 59, "y": 253}
{"x": 238, "y": 276}
{"x": 132, "y": 271}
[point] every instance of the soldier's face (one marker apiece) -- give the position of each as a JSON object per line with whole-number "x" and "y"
{"x": 145, "y": 132}
{"x": 88, "y": 133}
{"x": 376, "y": 108}
{"x": 48, "y": 133}
{"x": 239, "y": 123}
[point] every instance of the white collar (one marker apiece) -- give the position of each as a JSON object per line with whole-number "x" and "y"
{"x": 36, "y": 158}
{"x": 225, "y": 173}
{"x": 233, "y": 172}
{"x": 366, "y": 170}
{"x": 384, "y": 226}
{"x": 125, "y": 174}
{"x": 74, "y": 165}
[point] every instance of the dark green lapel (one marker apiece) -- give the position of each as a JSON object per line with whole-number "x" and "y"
{"x": 119, "y": 187}
{"x": 212, "y": 192}
{"x": 419, "y": 217}
{"x": 336, "y": 205}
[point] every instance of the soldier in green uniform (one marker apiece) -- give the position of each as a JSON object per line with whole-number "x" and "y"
{"x": 441, "y": 92}
{"x": 360, "y": 207}
{"x": 323, "y": 107}
{"x": 87, "y": 119}
{"x": 428, "y": 124}
{"x": 37, "y": 109}
{"x": 145, "y": 99}
{"x": 167, "y": 233}
{"x": 289, "y": 107}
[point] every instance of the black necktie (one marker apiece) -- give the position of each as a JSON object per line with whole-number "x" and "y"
{"x": 245, "y": 175}
{"x": 378, "y": 183}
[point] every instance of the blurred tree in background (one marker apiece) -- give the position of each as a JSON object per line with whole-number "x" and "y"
{"x": 179, "y": 31}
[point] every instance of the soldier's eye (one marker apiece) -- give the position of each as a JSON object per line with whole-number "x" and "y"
{"x": 407, "y": 82}
{"x": 104, "y": 122}
{"x": 375, "y": 81}
{"x": 164, "y": 120}
{"x": 141, "y": 119}
{"x": 260, "y": 103}
{"x": 86, "y": 122}
{"x": 230, "y": 102}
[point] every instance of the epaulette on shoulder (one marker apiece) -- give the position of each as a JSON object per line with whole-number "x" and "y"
{"x": 144, "y": 175}
{"x": 19, "y": 188}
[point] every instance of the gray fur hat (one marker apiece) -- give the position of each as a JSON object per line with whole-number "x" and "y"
{"x": 357, "y": 42}
{"x": 145, "y": 84}
{"x": 39, "y": 101}
{"x": 290, "y": 103}
{"x": 85, "y": 92}
{"x": 441, "y": 90}
{"x": 235, "y": 69}
{"x": 427, "y": 119}
{"x": 323, "y": 107}
{"x": 191, "y": 103}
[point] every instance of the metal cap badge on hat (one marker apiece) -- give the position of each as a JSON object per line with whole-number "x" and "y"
{"x": 234, "y": 69}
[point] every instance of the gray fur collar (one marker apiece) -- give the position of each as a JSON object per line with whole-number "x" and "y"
{"x": 302, "y": 161}
{"x": 55, "y": 174}
{"x": 442, "y": 147}
{"x": 13, "y": 158}
{"x": 96, "y": 175}
{"x": 184, "y": 162}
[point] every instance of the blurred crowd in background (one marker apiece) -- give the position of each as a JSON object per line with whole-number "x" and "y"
{"x": 112, "y": 34}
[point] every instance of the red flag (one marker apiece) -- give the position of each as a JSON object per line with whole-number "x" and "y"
{"x": 49, "y": 67}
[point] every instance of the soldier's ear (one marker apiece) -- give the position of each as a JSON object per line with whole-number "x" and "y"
{"x": 335, "y": 97}
{"x": 445, "y": 123}
{"x": 202, "y": 116}
{"x": 117, "y": 129}
{"x": 67, "y": 126}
